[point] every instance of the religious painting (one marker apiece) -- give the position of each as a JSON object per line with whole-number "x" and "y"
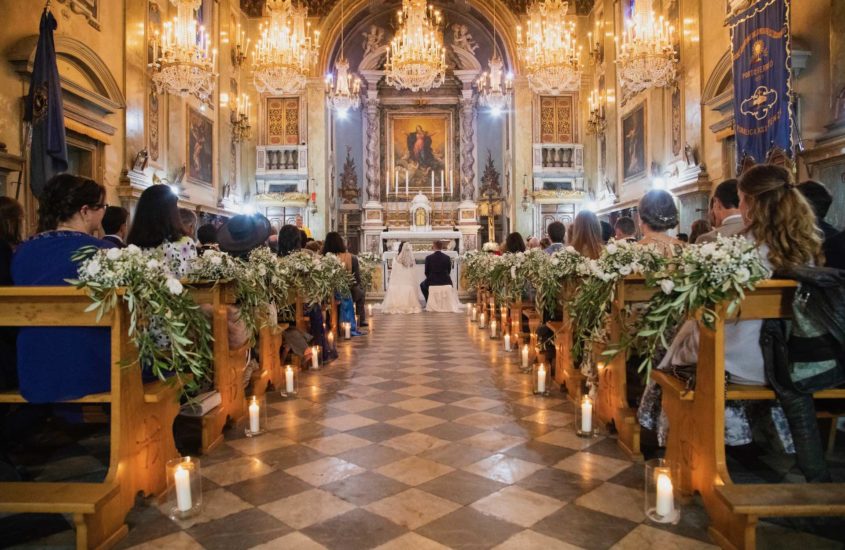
{"x": 282, "y": 121}
{"x": 154, "y": 115}
{"x": 633, "y": 143}
{"x": 200, "y": 156}
{"x": 557, "y": 119}
{"x": 419, "y": 151}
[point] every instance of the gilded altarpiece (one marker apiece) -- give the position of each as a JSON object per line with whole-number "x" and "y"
{"x": 282, "y": 122}
{"x": 557, "y": 119}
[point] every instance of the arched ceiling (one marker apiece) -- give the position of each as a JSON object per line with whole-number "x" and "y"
{"x": 321, "y": 8}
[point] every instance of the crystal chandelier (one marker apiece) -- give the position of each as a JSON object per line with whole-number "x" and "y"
{"x": 182, "y": 64}
{"x": 346, "y": 94}
{"x": 416, "y": 58}
{"x": 552, "y": 60}
{"x": 285, "y": 50}
{"x": 645, "y": 56}
{"x": 494, "y": 87}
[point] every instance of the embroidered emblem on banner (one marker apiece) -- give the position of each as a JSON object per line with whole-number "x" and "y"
{"x": 40, "y": 103}
{"x": 760, "y": 104}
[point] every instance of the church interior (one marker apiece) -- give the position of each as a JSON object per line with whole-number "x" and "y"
{"x": 390, "y": 121}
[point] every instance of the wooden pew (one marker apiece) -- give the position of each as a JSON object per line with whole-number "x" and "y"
{"x": 141, "y": 433}
{"x": 229, "y": 364}
{"x": 697, "y": 430}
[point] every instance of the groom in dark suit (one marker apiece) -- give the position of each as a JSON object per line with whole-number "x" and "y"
{"x": 437, "y": 268}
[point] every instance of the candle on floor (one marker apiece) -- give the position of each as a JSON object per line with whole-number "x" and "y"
{"x": 474, "y": 313}
{"x": 330, "y": 339}
{"x": 315, "y": 357}
{"x": 665, "y": 505}
{"x": 482, "y": 320}
{"x": 493, "y": 327}
{"x": 525, "y": 356}
{"x": 289, "y": 379}
{"x": 600, "y": 367}
{"x": 541, "y": 378}
{"x": 347, "y": 330}
{"x": 254, "y": 418}
{"x": 587, "y": 415}
{"x": 507, "y": 342}
{"x": 369, "y": 310}
{"x": 182, "y": 480}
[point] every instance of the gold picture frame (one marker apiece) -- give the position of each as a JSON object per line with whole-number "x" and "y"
{"x": 419, "y": 144}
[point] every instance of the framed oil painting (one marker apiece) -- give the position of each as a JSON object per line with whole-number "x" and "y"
{"x": 200, "y": 155}
{"x": 419, "y": 147}
{"x": 633, "y": 143}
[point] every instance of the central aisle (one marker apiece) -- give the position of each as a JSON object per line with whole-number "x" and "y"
{"x": 422, "y": 434}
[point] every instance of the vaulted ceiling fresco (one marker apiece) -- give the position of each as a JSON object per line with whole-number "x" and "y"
{"x": 320, "y": 8}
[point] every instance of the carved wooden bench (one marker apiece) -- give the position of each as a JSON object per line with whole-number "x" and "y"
{"x": 141, "y": 434}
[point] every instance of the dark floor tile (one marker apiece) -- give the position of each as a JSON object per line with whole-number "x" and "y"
{"x": 456, "y": 455}
{"x": 558, "y": 484}
{"x": 388, "y": 397}
{"x": 390, "y": 385}
{"x": 306, "y": 431}
{"x": 523, "y": 428}
{"x": 539, "y": 452}
{"x": 372, "y": 456}
{"x": 451, "y": 431}
{"x": 444, "y": 396}
{"x": 609, "y": 447}
{"x": 384, "y": 413}
{"x": 365, "y": 488}
{"x": 695, "y": 521}
{"x": 355, "y": 530}
{"x": 378, "y": 432}
{"x": 468, "y": 529}
{"x": 239, "y": 531}
{"x": 264, "y": 489}
{"x": 585, "y": 528}
{"x": 461, "y": 487}
{"x": 633, "y": 476}
{"x": 449, "y": 412}
{"x": 287, "y": 457}
{"x": 146, "y": 522}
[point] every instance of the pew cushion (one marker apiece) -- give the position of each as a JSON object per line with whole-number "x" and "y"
{"x": 55, "y": 498}
{"x": 785, "y": 499}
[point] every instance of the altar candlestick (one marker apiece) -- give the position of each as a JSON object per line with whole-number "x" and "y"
{"x": 406, "y": 182}
{"x": 432, "y": 183}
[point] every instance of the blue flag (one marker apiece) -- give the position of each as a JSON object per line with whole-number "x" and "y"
{"x": 760, "y": 48}
{"x": 44, "y": 112}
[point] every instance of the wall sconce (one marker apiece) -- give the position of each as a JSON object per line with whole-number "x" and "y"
{"x": 526, "y": 199}
{"x": 594, "y": 39}
{"x": 239, "y": 117}
{"x": 239, "y": 50}
{"x": 312, "y": 202}
{"x": 597, "y": 121}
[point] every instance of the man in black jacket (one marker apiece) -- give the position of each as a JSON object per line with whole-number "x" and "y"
{"x": 437, "y": 268}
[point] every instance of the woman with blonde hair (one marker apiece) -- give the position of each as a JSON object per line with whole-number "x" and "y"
{"x": 585, "y": 235}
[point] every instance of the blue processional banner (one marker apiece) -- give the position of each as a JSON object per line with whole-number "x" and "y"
{"x": 761, "y": 52}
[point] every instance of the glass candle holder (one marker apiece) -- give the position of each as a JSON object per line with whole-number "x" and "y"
{"x": 346, "y": 327}
{"x": 316, "y": 359}
{"x": 584, "y": 421}
{"x": 526, "y": 358}
{"x": 482, "y": 320}
{"x": 494, "y": 329}
{"x": 256, "y": 416}
{"x": 509, "y": 344}
{"x": 184, "y": 487}
{"x": 660, "y": 503}
{"x": 541, "y": 377}
{"x": 291, "y": 383}
{"x": 330, "y": 340}
{"x": 474, "y": 313}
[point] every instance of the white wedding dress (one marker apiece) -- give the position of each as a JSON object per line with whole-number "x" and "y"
{"x": 403, "y": 291}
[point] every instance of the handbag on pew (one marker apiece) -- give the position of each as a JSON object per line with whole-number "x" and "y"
{"x": 816, "y": 341}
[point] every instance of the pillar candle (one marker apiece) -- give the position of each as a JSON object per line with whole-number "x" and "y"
{"x": 330, "y": 339}
{"x": 474, "y": 313}
{"x": 289, "y": 379}
{"x": 665, "y": 504}
{"x": 525, "y": 356}
{"x": 482, "y": 320}
{"x": 347, "y": 330}
{"x": 507, "y": 342}
{"x": 315, "y": 357}
{"x": 254, "y": 420}
{"x": 586, "y": 415}
{"x": 541, "y": 379}
{"x": 493, "y": 328}
{"x": 406, "y": 183}
{"x": 182, "y": 480}
{"x": 369, "y": 310}
{"x": 432, "y": 183}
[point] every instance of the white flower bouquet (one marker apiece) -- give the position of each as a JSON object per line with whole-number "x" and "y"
{"x": 548, "y": 272}
{"x": 508, "y": 275}
{"x": 476, "y": 266}
{"x": 317, "y": 278}
{"x": 160, "y": 311}
{"x": 368, "y": 263}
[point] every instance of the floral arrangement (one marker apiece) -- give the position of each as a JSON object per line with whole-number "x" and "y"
{"x": 172, "y": 335}
{"x": 490, "y": 246}
{"x": 476, "y": 266}
{"x": 508, "y": 276}
{"x": 317, "y": 278}
{"x": 698, "y": 279}
{"x": 368, "y": 263}
{"x": 546, "y": 273}
{"x": 591, "y": 306}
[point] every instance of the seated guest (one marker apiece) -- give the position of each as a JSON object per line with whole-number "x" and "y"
{"x": 557, "y": 234}
{"x": 533, "y": 243}
{"x": 658, "y": 214}
{"x": 207, "y": 237}
{"x": 514, "y": 243}
{"x": 77, "y": 360}
{"x": 606, "y": 231}
{"x": 625, "y": 229}
{"x": 189, "y": 222}
{"x": 545, "y": 243}
{"x": 11, "y": 230}
{"x": 585, "y": 235}
{"x": 116, "y": 225}
{"x": 314, "y": 246}
{"x": 683, "y": 237}
{"x": 820, "y": 200}
{"x": 699, "y": 228}
{"x": 334, "y": 245}
{"x": 834, "y": 251}
{"x": 158, "y": 224}
{"x": 724, "y": 212}
{"x": 242, "y": 234}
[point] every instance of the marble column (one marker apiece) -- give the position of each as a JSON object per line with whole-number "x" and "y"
{"x": 467, "y": 121}
{"x": 318, "y": 155}
{"x": 522, "y": 157}
{"x": 372, "y": 151}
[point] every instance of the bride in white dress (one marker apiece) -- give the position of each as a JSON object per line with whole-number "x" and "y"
{"x": 403, "y": 292}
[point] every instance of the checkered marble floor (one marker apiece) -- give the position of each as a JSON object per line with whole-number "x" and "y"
{"x": 422, "y": 435}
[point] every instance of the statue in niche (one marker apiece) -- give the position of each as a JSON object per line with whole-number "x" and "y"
{"x": 349, "y": 180}
{"x": 490, "y": 178}
{"x": 373, "y": 38}
{"x": 461, "y": 38}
